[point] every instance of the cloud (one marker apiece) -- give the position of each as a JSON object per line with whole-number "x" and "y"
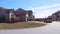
{"x": 45, "y": 11}
{"x": 46, "y": 7}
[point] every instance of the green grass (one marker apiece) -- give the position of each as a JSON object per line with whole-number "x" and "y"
{"x": 20, "y": 25}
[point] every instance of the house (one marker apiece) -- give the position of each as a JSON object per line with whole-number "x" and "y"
{"x": 56, "y": 16}
{"x": 10, "y": 15}
{"x": 30, "y": 15}
{"x": 24, "y": 15}
{"x": 6, "y": 15}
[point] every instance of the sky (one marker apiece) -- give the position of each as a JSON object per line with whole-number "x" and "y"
{"x": 40, "y": 8}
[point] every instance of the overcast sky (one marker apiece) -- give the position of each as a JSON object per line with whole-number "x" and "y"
{"x": 41, "y": 8}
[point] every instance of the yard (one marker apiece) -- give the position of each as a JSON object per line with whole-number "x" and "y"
{"x": 20, "y": 25}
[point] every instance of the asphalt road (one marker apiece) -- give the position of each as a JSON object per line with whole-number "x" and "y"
{"x": 50, "y": 28}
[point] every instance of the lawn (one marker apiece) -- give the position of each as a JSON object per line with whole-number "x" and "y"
{"x": 20, "y": 25}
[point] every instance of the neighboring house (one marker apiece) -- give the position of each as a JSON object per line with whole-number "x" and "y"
{"x": 30, "y": 15}
{"x": 39, "y": 19}
{"x": 10, "y": 15}
{"x": 21, "y": 14}
{"x": 56, "y": 16}
{"x": 24, "y": 15}
{"x": 6, "y": 15}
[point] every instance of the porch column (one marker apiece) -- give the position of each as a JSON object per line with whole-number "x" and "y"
{"x": 26, "y": 16}
{"x": 10, "y": 16}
